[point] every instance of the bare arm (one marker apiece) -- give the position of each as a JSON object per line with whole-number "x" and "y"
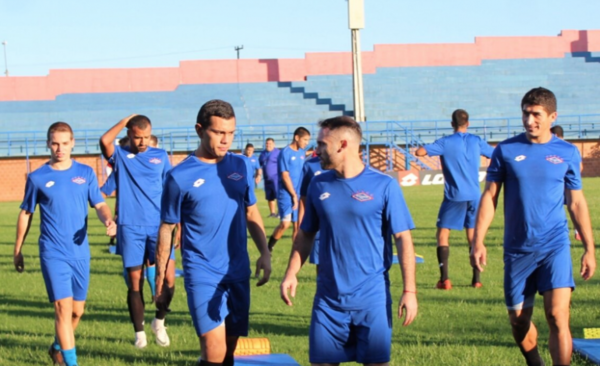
{"x": 485, "y": 215}
{"x": 406, "y": 258}
{"x": 163, "y": 253}
{"x": 105, "y": 217}
{"x": 301, "y": 209}
{"x": 421, "y": 151}
{"x": 300, "y": 251}
{"x": 107, "y": 141}
{"x": 257, "y": 176}
{"x": 580, "y": 215}
{"x": 289, "y": 187}
{"x": 257, "y": 232}
{"x": 23, "y": 225}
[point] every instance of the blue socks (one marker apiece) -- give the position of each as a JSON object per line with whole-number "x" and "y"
{"x": 151, "y": 276}
{"x": 70, "y": 357}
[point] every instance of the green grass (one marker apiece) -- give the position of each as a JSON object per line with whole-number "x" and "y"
{"x": 463, "y": 326}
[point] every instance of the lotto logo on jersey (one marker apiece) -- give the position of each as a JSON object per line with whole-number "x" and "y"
{"x": 155, "y": 161}
{"x": 520, "y": 158}
{"x": 130, "y": 156}
{"x": 318, "y": 172}
{"x": 362, "y": 196}
{"x": 235, "y": 176}
{"x": 49, "y": 184}
{"x": 78, "y": 180}
{"x": 554, "y": 159}
{"x": 199, "y": 182}
{"x": 324, "y": 196}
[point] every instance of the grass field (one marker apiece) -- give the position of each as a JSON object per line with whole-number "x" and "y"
{"x": 463, "y": 326}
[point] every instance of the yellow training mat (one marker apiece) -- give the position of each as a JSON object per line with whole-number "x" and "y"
{"x": 252, "y": 346}
{"x": 591, "y": 333}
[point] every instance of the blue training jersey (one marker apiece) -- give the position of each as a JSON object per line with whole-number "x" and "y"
{"x": 110, "y": 185}
{"x": 268, "y": 162}
{"x": 140, "y": 179}
{"x": 356, "y": 218}
{"x": 534, "y": 178}
{"x": 291, "y": 161}
{"x": 311, "y": 168}
{"x": 63, "y": 197}
{"x": 210, "y": 201}
{"x": 460, "y": 156}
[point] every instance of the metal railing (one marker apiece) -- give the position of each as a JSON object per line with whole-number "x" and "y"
{"x": 402, "y": 136}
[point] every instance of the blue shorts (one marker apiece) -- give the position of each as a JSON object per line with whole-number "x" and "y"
{"x": 528, "y": 273}
{"x": 136, "y": 244}
{"x": 212, "y": 304}
{"x": 457, "y": 215}
{"x": 284, "y": 205}
{"x": 66, "y": 278}
{"x": 314, "y": 253}
{"x": 364, "y": 336}
{"x": 270, "y": 190}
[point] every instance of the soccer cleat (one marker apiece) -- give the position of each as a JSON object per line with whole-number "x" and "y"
{"x": 444, "y": 285}
{"x": 140, "y": 340}
{"x": 56, "y": 356}
{"x": 477, "y": 285}
{"x": 273, "y": 215}
{"x": 160, "y": 331}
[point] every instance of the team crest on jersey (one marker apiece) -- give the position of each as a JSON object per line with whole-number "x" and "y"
{"x": 235, "y": 176}
{"x": 362, "y": 196}
{"x": 155, "y": 161}
{"x": 324, "y": 196}
{"x": 49, "y": 184}
{"x": 520, "y": 158}
{"x": 199, "y": 182}
{"x": 130, "y": 156}
{"x": 78, "y": 180}
{"x": 555, "y": 159}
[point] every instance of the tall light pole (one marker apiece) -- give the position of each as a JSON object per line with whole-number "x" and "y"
{"x": 4, "y": 43}
{"x": 356, "y": 21}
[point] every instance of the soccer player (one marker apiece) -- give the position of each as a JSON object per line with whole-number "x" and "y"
{"x": 311, "y": 169}
{"x": 289, "y": 167}
{"x": 210, "y": 193}
{"x": 268, "y": 161}
{"x": 257, "y": 171}
{"x": 139, "y": 172}
{"x": 357, "y": 211}
{"x": 460, "y": 156}
{"x": 538, "y": 171}
{"x": 62, "y": 188}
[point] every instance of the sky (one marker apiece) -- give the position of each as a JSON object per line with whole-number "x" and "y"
{"x": 41, "y": 35}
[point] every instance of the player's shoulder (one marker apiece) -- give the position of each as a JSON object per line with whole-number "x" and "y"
{"x": 378, "y": 177}
{"x": 184, "y": 165}
{"x": 519, "y": 139}
{"x": 313, "y": 160}
{"x": 82, "y": 168}
{"x": 40, "y": 172}
{"x": 325, "y": 176}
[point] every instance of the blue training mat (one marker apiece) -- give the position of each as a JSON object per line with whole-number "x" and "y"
{"x": 589, "y": 348}
{"x": 274, "y": 359}
{"x": 418, "y": 259}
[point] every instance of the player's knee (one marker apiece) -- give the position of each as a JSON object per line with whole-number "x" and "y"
{"x": 520, "y": 324}
{"x": 557, "y": 318}
{"x": 214, "y": 349}
{"x": 77, "y": 313}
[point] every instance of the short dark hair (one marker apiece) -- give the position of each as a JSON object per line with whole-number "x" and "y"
{"x": 342, "y": 122}
{"x": 139, "y": 121}
{"x": 301, "y": 132}
{"x": 270, "y": 139}
{"x": 124, "y": 141}
{"x": 558, "y": 131}
{"x": 249, "y": 145}
{"x": 59, "y": 127}
{"x": 460, "y": 117}
{"x": 214, "y": 108}
{"x": 542, "y": 97}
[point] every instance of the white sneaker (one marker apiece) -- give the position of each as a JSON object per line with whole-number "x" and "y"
{"x": 160, "y": 331}
{"x": 140, "y": 340}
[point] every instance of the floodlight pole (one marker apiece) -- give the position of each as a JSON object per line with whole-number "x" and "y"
{"x": 237, "y": 49}
{"x": 356, "y": 21}
{"x": 4, "y": 43}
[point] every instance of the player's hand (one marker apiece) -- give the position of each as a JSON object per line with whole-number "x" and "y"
{"x": 19, "y": 263}
{"x": 294, "y": 202}
{"x": 588, "y": 265}
{"x": 125, "y": 120}
{"x": 256, "y": 181}
{"x": 111, "y": 228}
{"x": 263, "y": 263}
{"x": 160, "y": 298}
{"x": 290, "y": 283}
{"x": 408, "y": 308}
{"x": 478, "y": 256}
